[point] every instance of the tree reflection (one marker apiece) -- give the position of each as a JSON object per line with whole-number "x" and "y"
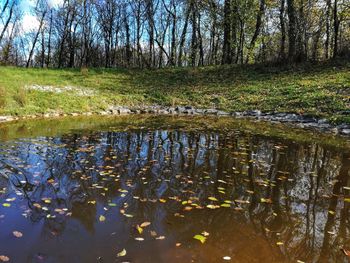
{"x": 288, "y": 192}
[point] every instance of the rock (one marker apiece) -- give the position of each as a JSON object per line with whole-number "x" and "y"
{"x": 6, "y": 118}
{"x": 172, "y": 110}
{"x": 345, "y": 131}
{"x": 222, "y": 113}
{"x": 322, "y": 121}
{"x": 124, "y": 111}
{"x": 164, "y": 112}
{"x": 211, "y": 111}
{"x": 180, "y": 109}
{"x": 237, "y": 114}
{"x": 253, "y": 113}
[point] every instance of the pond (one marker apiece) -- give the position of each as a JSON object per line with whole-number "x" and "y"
{"x": 172, "y": 189}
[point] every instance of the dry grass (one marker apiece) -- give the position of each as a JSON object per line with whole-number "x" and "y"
{"x": 21, "y": 97}
{"x": 2, "y": 97}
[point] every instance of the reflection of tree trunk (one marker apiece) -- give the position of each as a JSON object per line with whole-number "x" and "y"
{"x": 342, "y": 179}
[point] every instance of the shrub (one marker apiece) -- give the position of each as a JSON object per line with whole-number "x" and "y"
{"x": 21, "y": 97}
{"x": 2, "y": 97}
{"x": 84, "y": 72}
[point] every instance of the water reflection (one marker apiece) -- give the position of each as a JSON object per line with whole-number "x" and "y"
{"x": 270, "y": 200}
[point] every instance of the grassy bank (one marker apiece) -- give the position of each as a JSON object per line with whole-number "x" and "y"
{"x": 321, "y": 89}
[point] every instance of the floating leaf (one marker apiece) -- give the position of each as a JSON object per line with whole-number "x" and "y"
{"x": 139, "y": 229}
{"x": 346, "y": 252}
{"x": 145, "y": 224}
{"x": 17, "y": 234}
{"x": 264, "y": 200}
{"x": 6, "y": 205}
{"x": 225, "y": 205}
{"x": 205, "y": 233}
{"x": 122, "y": 253}
{"x": 212, "y": 198}
{"x": 279, "y": 243}
{"x": 201, "y": 238}
{"x": 226, "y": 258}
{"x": 139, "y": 238}
{"x": 102, "y": 218}
{"x": 4, "y": 258}
{"x": 128, "y": 215}
{"x": 347, "y": 200}
{"x": 160, "y": 237}
{"x": 112, "y": 204}
{"x": 213, "y": 206}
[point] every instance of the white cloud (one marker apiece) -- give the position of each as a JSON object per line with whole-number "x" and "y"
{"x": 55, "y": 3}
{"x": 30, "y": 23}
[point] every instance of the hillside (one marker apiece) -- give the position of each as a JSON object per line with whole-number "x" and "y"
{"x": 316, "y": 89}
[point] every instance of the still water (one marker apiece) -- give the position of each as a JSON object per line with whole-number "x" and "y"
{"x": 166, "y": 189}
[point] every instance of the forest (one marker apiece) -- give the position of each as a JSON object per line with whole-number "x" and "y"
{"x": 170, "y": 33}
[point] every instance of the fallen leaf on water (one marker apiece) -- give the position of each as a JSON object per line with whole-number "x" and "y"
{"x": 213, "y": 206}
{"x": 17, "y": 234}
{"x": 145, "y": 224}
{"x": 178, "y": 244}
{"x": 201, "y": 238}
{"x": 346, "y": 252}
{"x": 6, "y": 205}
{"x": 4, "y": 258}
{"x": 264, "y": 200}
{"x": 160, "y": 237}
{"x": 279, "y": 243}
{"x": 212, "y": 198}
{"x": 139, "y": 229}
{"x": 227, "y": 258}
{"x": 347, "y": 200}
{"x": 122, "y": 253}
{"x": 139, "y": 239}
{"x": 102, "y": 218}
{"x": 128, "y": 215}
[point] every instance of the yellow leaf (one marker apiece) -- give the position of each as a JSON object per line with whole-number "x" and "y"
{"x": 139, "y": 229}
{"x": 17, "y": 234}
{"x": 145, "y": 224}
{"x": 122, "y": 253}
{"x": 102, "y": 218}
{"x": 201, "y": 238}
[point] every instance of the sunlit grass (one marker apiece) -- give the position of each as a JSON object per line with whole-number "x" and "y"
{"x": 322, "y": 89}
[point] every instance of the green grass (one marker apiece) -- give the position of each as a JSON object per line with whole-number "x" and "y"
{"x": 316, "y": 89}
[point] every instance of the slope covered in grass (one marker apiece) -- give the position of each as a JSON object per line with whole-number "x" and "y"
{"x": 320, "y": 89}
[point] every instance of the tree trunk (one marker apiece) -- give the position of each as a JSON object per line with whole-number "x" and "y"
{"x": 292, "y": 31}
{"x": 36, "y": 39}
{"x": 282, "y": 54}
{"x": 226, "y": 52}
{"x": 183, "y": 35}
{"x": 257, "y": 28}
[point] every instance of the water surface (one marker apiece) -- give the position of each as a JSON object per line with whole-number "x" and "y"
{"x": 138, "y": 189}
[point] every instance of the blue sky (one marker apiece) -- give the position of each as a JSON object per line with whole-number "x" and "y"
{"x": 29, "y": 21}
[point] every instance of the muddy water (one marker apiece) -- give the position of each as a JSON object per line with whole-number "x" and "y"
{"x": 140, "y": 190}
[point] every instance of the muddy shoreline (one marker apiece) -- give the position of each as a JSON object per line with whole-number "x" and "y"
{"x": 292, "y": 119}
